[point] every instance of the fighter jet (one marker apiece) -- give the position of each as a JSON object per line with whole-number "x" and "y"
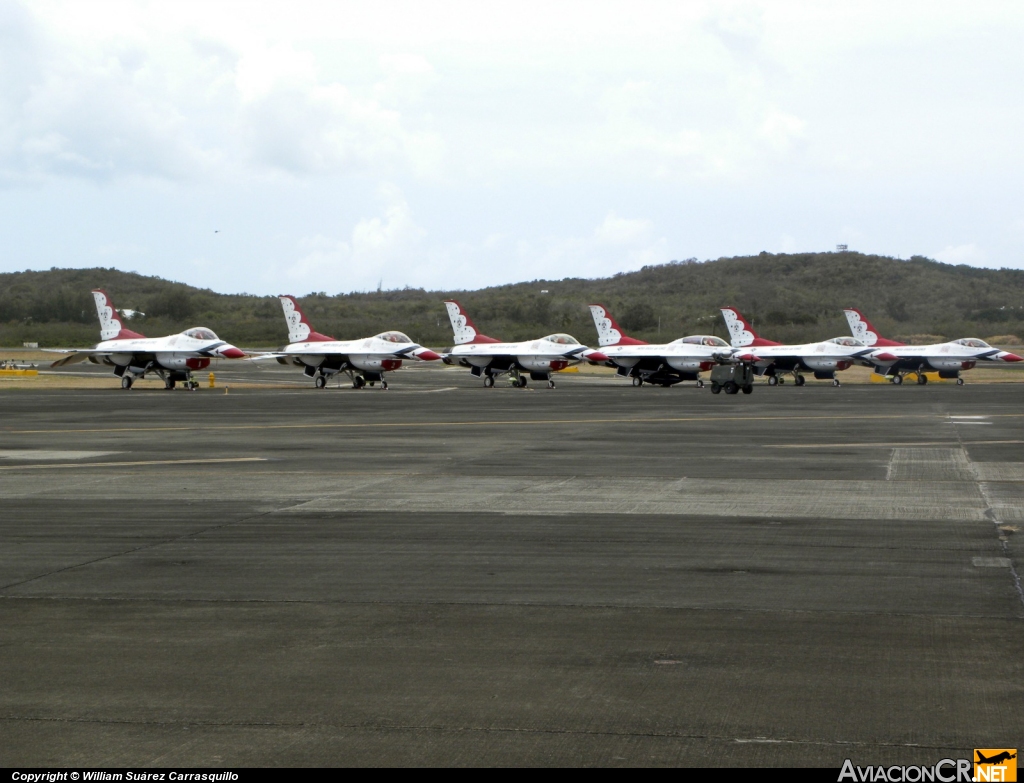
{"x": 132, "y": 355}
{"x": 663, "y": 364}
{"x": 946, "y": 358}
{"x": 824, "y": 359}
{"x": 529, "y": 360}
{"x": 364, "y": 361}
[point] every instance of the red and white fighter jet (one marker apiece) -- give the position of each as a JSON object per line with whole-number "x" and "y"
{"x": 536, "y": 359}
{"x": 824, "y": 359}
{"x": 364, "y": 361}
{"x": 948, "y": 359}
{"x": 663, "y": 364}
{"x": 132, "y": 355}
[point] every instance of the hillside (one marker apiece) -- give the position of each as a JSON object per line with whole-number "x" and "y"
{"x": 789, "y": 297}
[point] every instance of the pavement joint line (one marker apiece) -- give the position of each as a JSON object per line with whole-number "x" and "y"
{"x": 133, "y": 550}
{"x": 888, "y": 444}
{"x": 990, "y": 513}
{"x": 506, "y": 422}
{"x": 988, "y": 618}
{"x": 472, "y": 729}
{"x": 52, "y": 465}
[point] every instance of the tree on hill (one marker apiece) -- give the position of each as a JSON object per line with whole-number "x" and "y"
{"x": 794, "y": 297}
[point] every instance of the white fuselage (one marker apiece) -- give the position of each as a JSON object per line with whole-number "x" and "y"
{"x": 538, "y": 356}
{"x": 371, "y": 354}
{"x": 825, "y": 356}
{"x": 177, "y": 352}
{"x": 954, "y": 355}
{"x": 679, "y": 355}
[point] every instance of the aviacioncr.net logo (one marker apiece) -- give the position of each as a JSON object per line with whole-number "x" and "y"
{"x": 944, "y": 771}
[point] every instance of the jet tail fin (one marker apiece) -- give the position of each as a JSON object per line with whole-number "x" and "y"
{"x": 741, "y": 333}
{"x": 862, "y": 329}
{"x": 299, "y": 329}
{"x": 463, "y": 328}
{"x": 609, "y": 332}
{"x": 111, "y": 327}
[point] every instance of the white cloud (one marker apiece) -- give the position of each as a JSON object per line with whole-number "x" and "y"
{"x": 962, "y": 254}
{"x": 376, "y": 249}
{"x": 623, "y": 231}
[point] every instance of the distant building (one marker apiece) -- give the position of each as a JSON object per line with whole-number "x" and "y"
{"x": 841, "y": 248}
{"x": 30, "y": 345}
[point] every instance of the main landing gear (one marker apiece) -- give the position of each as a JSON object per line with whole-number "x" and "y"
{"x": 798, "y": 380}
{"x": 920, "y": 376}
{"x": 359, "y": 382}
{"x": 516, "y": 379}
{"x": 127, "y": 381}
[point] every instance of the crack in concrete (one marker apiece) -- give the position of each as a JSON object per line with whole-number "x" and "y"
{"x": 133, "y": 550}
{"x": 473, "y": 729}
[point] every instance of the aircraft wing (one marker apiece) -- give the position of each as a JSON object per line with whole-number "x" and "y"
{"x": 264, "y": 356}
{"x": 75, "y": 355}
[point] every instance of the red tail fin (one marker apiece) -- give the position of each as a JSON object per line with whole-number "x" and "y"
{"x": 464, "y": 329}
{"x": 862, "y": 329}
{"x": 609, "y": 332}
{"x": 111, "y": 327}
{"x": 299, "y": 329}
{"x": 741, "y": 333}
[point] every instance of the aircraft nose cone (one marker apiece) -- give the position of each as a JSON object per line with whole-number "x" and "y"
{"x": 596, "y": 356}
{"x": 428, "y": 355}
{"x": 1012, "y": 357}
{"x": 885, "y": 356}
{"x": 232, "y": 353}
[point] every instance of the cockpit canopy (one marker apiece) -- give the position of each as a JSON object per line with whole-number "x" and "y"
{"x": 201, "y": 333}
{"x": 849, "y": 342}
{"x": 704, "y": 339}
{"x": 972, "y": 342}
{"x": 393, "y": 337}
{"x": 562, "y": 339}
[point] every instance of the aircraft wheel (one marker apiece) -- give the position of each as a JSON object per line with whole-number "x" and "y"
{"x": 551, "y": 383}
{"x": 638, "y": 381}
{"x": 835, "y": 381}
{"x": 126, "y": 381}
{"x": 488, "y": 381}
{"x": 799, "y": 380}
{"x": 700, "y": 384}
{"x": 731, "y": 387}
{"x": 384, "y": 385}
{"x": 168, "y": 384}
{"x": 748, "y": 389}
{"x": 897, "y": 379}
{"x": 358, "y": 382}
{"x": 922, "y": 379}
{"x": 715, "y": 388}
{"x": 773, "y": 380}
{"x": 959, "y": 381}
{"x": 522, "y": 381}
{"x": 320, "y": 382}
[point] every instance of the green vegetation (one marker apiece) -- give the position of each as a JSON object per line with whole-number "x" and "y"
{"x": 792, "y": 297}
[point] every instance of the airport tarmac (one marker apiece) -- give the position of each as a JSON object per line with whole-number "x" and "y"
{"x": 442, "y": 574}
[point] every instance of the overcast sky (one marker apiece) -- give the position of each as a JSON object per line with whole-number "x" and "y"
{"x": 303, "y": 146}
